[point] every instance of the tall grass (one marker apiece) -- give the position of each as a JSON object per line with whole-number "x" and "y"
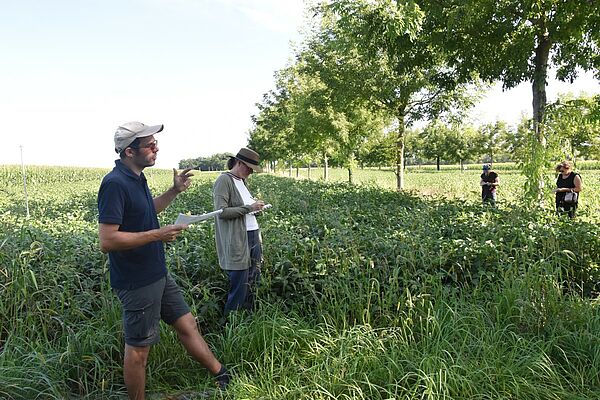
{"x": 366, "y": 293}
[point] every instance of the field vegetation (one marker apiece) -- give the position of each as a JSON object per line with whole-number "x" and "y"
{"x": 367, "y": 293}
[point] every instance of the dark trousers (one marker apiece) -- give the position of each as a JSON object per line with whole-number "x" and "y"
{"x": 243, "y": 283}
{"x": 489, "y": 197}
{"x": 566, "y": 208}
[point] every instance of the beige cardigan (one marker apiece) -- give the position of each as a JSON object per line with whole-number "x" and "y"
{"x": 230, "y": 226}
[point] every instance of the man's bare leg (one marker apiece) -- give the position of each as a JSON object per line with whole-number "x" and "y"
{"x": 134, "y": 371}
{"x": 194, "y": 343}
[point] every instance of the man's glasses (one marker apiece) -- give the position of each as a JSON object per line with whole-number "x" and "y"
{"x": 152, "y": 146}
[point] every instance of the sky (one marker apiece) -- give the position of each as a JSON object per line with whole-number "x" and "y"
{"x": 73, "y": 70}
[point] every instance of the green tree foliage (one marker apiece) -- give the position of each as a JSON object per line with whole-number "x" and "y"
{"x": 306, "y": 119}
{"x": 398, "y": 69}
{"x": 575, "y": 125}
{"x": 352, "y": 136}
{"x": 413, "y": 146}
{"x": 433, "y": 138}
{"x": 318, "y": 125}
{"x": 297, "y": 121}
{"x": 378, "y": 150}
{"x": 493, "y": 140}
{"x": 515, "y": 142}
{"x": 273, "y": 123}
{"x": 461, "y": 144}
{"x": 516, "y": 41}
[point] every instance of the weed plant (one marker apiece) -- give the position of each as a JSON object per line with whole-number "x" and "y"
{"x": 366, "y": 294}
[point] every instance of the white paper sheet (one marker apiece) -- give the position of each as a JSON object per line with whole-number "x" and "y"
{"x": 192, "y": 219}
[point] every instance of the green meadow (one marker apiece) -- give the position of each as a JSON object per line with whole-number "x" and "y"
{"x": 367, "y": 293}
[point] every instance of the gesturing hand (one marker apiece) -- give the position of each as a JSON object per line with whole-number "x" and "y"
{"x": 182, "y": 181}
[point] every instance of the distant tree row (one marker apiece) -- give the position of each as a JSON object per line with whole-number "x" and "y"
{"x": 574, "y": 122}
{"x": 216, "y": 162}
{"x": 368, "y": 70}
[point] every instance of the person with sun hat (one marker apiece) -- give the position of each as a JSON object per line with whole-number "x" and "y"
{"x": 237, "y": 234}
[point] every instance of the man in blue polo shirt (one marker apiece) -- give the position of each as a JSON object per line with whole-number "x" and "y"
{"x": 129, "y": 232}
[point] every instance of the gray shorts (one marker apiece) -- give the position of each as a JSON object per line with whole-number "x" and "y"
{"x": 144, "y": 307}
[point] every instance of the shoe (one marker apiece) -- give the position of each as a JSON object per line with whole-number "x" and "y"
{"x": 222, "y": 378}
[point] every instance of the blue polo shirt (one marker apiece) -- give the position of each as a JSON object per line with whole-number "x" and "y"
{"x": 124, "y": 199}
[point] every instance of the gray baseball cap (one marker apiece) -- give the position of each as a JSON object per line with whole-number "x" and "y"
{"x": 127, "y": 133}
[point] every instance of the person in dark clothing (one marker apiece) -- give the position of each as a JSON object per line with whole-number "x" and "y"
{"x": 489, "y": 182}
{"x": 568, "y": 186}
{"x": 131, "y": 235}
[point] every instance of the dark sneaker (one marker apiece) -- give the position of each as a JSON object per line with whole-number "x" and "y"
{"x": 222, "y": 378}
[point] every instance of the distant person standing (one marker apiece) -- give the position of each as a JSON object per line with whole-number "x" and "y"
{"x": 489, "y": 182}
{"x": 568, "y": 186}
{"x": 129, "y": 232}
{"x": 237, "y": 233}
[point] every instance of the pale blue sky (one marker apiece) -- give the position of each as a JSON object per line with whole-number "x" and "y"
{"x": 72, "y": 71}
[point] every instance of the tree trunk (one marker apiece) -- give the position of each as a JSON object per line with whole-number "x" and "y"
{"x": 539, "y": 86}
{"x": 350, "y": 175}
{"x": 400, "y": 150}
{"x": 309, "y": 171}
{"x": 325, "y": 167}
{"x": 462, "y": 166}
{"x": 297, "y": 171}
{"x": 437, "y": 162}
{"x": 290, "y": 172}
{"x": 540, "y": 75}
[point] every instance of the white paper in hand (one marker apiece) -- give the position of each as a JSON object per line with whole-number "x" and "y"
{"x": 191, "y": 219}
{"x": 265, "y": 207}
